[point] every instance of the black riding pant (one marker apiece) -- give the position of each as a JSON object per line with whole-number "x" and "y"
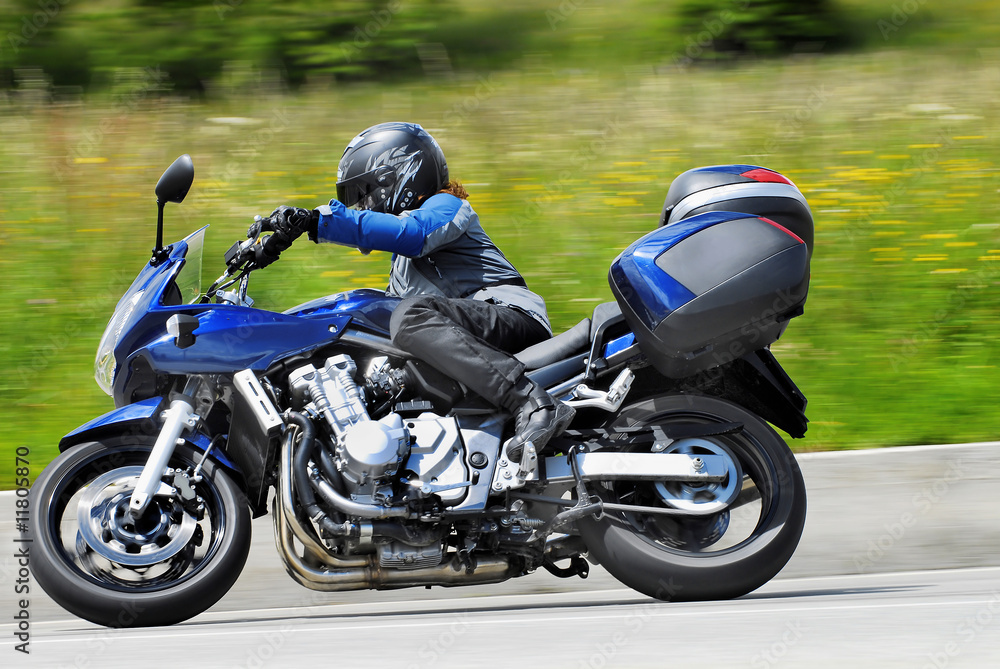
{"x": 469, "y": 340}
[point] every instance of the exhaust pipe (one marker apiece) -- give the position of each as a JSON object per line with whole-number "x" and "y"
{"x": 359, "y": 572}
{"x": 374, "y": 577}
{"x": 285, "y": 518}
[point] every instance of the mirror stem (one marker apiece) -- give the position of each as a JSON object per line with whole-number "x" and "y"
{"x": 159, "y": 253}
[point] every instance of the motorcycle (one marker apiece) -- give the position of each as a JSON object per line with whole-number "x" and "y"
{"x": 388, "y": 474}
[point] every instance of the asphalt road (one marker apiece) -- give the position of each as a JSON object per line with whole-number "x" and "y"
{"x": 899, "y": 566}
{"x": 945, "y": 618}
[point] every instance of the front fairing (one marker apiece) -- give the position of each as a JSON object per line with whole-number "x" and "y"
{"x": 232, "y": 338}
{"x": 228, "y": 338}
{"x": 173, "y": 280}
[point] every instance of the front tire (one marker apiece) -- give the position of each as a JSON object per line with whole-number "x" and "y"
{"x": 168, "y": 567}
{"x": 685, "y": 558}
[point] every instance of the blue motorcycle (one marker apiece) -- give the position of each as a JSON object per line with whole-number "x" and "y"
{"x": 389, "y": 474}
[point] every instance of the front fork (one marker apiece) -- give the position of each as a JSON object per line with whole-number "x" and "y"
{"x": 179, "y": 417}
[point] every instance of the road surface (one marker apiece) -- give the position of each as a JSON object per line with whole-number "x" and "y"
{"x": 899, "y": 566}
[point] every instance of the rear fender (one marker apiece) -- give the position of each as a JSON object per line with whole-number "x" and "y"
{"x": 141, "y": 418}
{"x": 759, "y": 383}
{"x": 756, "y": 382}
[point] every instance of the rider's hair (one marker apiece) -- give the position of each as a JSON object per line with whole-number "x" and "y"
{"x": 456, "y": 188}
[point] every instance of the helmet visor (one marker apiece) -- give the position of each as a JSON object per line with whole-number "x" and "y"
{"x": 351, "y": 191}
{"x": 363, "y": 192}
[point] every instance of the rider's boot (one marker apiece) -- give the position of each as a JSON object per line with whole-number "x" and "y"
{"x": 538, "y": 418}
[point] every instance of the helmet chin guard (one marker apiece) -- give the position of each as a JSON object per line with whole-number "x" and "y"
{"x": 389, "y": 166}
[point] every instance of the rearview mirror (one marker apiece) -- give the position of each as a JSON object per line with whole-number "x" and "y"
{"x": 176, "y": 180}
{"x": 173, "y": 186}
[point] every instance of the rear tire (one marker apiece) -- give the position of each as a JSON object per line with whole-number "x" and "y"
{"x": 682, "y": 559}
{"x": 191, "y": 567}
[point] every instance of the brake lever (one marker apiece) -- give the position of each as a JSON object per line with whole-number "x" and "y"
{"x": 240, "y": 260}
{"x": 243, "y": 255}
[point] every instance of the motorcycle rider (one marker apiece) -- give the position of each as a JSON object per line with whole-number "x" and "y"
{"x": 465, "y": 308}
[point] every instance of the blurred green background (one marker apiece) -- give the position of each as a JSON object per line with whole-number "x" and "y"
{"x": 565, "y": 120}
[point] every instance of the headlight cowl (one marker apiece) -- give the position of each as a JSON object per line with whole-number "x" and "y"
{"x": 105, "y": 364}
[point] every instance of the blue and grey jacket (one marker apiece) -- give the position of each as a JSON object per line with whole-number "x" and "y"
{"x": 438, "y": 249}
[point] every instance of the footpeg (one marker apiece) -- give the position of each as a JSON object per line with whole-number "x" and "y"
{"x": 529, "y": 462}
{"x": 609, "y": 400}
{"x": 510, "y": 474}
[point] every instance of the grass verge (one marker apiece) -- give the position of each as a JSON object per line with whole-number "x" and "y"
{"x": 566, "y": 168}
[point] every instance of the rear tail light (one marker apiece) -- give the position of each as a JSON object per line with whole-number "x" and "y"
{"x": 768, "y": 176}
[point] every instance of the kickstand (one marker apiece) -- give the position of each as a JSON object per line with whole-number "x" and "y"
{"x": 586, "y": 505}
{"x": 582, "y": 496}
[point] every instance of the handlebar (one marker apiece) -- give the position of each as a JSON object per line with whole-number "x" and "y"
{"x": 240, "y": 259}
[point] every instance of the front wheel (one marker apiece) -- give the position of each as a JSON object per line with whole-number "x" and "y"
{"x": 747, "y": 526}
{"x": 178, "y": 559}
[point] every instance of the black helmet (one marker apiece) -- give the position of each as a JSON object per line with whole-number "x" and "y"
{"x": 389, "y": 166}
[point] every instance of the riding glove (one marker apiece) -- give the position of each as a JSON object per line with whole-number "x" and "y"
{"x": 287, "y": 224}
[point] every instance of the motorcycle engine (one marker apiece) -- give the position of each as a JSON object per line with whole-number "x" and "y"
{"x": 427, "y": 450}
{"x": 368, "y": 452}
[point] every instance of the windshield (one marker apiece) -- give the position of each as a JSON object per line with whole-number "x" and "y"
{"x": 189, "y": 277}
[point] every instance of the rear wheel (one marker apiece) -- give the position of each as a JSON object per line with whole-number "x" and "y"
{"x": 747, "y": 526}
{"x": 178, "y": 559}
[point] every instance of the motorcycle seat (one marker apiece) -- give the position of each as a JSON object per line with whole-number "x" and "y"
{"x": 559, "y": 347}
